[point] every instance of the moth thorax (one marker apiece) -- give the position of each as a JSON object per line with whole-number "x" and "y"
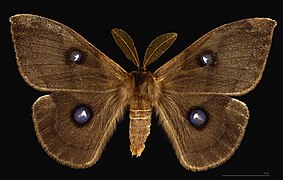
{"x": 141, "y": 80}
{"x": 140, "y": 117}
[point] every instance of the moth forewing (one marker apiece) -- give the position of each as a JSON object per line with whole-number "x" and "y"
{"x": 239, "y": 51}
{"x": 46, "y": 53}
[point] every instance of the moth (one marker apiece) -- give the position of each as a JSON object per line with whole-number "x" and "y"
{"x": 190, "y": 93}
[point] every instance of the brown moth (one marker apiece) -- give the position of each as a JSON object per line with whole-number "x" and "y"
{"x": 190, "y": 93}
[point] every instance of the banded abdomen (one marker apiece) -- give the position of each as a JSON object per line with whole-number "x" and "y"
{"x": 140, "y": 117}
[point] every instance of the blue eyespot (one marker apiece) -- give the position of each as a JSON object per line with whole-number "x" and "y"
{"x": 82, "y": 114}
{"x": 197, "y": 117}
{"x": 206, "y": 59}
{"x": 75, "y": 56}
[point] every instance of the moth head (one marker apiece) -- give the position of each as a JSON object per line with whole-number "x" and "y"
{"x": 155, "y": 49}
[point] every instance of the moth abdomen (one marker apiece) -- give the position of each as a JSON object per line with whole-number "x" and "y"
{"x": 140, "y": 117}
